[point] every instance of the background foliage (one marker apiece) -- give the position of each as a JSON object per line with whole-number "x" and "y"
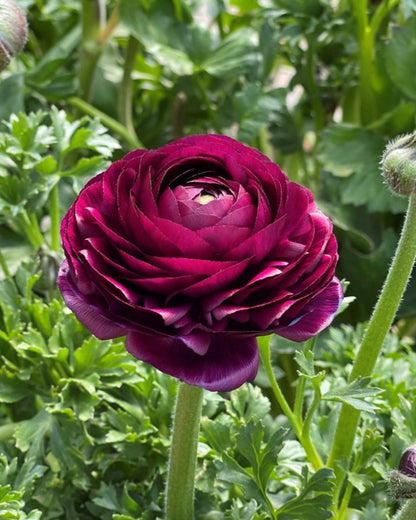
{"x": 320, "y": 86}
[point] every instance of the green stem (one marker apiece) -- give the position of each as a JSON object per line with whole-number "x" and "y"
{"x": 312, "y": 409}
{"x": 300, "y": 388}
{"x": 93, "y": 19}
{"x": 316, "y": 102}
{"x": 182, "y": 459}
{"x": 178, "y": 115}
{"x": 54, "y": 216}
{"x": 31, "y": 229}
{"x": 365, "y": 38}
{"x": 380, "y": 13}
{"x": 345, "y": 500}
{"x": 107, "y": 121}
{"x": 408, "y": 511}
{"x": 378, "y": 327}
{"x": 4, "y": 266}
{"x": 126, "y": 90}
{"x": 294, "y": 421}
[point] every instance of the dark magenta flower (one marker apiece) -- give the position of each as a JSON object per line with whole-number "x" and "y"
{"x": 193, "y": 250}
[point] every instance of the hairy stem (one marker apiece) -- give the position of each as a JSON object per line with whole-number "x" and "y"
{"x": 182, "y": 459}
{"x": 408, "y": 511}
{"x": 378, "y": 327}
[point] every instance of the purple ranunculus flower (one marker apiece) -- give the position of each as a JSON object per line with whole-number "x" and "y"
{"x": 194, "y": 249}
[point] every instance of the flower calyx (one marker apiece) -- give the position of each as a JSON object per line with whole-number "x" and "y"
{"x": 399, "y": 165}
{"x": 403, "y": 481}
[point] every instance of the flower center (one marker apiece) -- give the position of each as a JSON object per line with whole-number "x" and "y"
{"x": 204, "y": 192}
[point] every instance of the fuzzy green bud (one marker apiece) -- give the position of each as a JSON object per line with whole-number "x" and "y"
{"x": 403, "y": 481}
{"x": 13, "y": 31}
{"x": 399, "y": 165}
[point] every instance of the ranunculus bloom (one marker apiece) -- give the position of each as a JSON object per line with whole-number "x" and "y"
{"x": 193, "y": 250}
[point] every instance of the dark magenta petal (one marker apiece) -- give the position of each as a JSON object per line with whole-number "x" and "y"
{"x": 100, "y": 326}
{"x": 316, "y": 315}
{"x": 407, "y": 464}
{"x": 228, "y": 363}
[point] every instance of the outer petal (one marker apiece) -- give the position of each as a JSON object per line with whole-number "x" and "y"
{"x": 228, "y": 363}
{"x": 316, "y": 315}
{"x": 87, "y": 314}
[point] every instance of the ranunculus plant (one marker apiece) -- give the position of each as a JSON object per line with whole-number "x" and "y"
{"x": 194, "y": 250}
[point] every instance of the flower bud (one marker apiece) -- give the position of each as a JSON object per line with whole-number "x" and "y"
{"x": 399, "y": 165}
{"x": 403, "y": 480}
{"x": 13, "y": 31}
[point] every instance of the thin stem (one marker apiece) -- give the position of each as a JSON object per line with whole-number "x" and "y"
{"x": 317, "y": 107}
{"x": 312, "y": 409}
{"x": 378, "y": 327}
{"x": 108, "y": 121}
{"x": 365, "y": 36}
{"x": 112, "y": 23}
{"x": 380, "y": 13}
{"x": 294, "y": 421}
{"x": 182, "y": 459}
{"x": 93, "y": 19}
{"x": 4, "y": 266}
{"x": 178, "y": 115}
{"x": 31, "y": 229}
{"x": 125, "y": 104}
{"x": 345, "y": 499}
{"x": 300, "y": 389}
{"x": 54, "y": 216}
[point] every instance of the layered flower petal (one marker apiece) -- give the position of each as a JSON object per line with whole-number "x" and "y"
{"x": 227, "y": 364}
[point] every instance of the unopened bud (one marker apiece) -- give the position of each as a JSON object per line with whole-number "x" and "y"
{"x": 13, "y": 31}
{"x": 403, "y": 481}
{"x": 399, "y": 165}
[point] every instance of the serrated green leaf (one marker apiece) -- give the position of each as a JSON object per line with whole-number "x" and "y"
{"x": 13, "y": 389}
{"x": 345, "y": 149}
{"x": 30, "y": 433}
{"x": 354, "y": 394}
{"x": 400, "y": 55}
{"x": 314, "y": 500}
{"x": 249, "y": 403}
{"x": 234, "y": 56}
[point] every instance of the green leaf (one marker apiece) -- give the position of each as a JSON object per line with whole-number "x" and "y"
{"x": 30, "y": 433}
{"x": 400, "y": 57}
{"x": 314, "y": 500}
{"x": 13, "y": 389}
{"x": 262, "y": 457}
{"x": 249, "y": 403}
{"x": 354, "y": 394}
{"x": 345, "y": 149}
{"x": 11, "y": 89}
{"x": 54, "y": 58}
{"x": 353, "y": 153}
{"x": 233, "y": 57}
